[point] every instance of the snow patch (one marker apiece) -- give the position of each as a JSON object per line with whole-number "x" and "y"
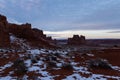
{"x": 5, "y": 66}
{"x": 6, "y": 78}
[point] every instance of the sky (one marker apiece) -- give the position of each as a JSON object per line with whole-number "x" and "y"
{"x": 96, "y": 19}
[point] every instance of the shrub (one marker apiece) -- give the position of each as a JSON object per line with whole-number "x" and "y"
{"x": 51, "y": 58}
{"x": 19, "y": 66}
{"x": 67, "y": 66}
{"x": 52, "y": 64}
{"x": 57, "y": 54}
{"x": 99, "y": 63}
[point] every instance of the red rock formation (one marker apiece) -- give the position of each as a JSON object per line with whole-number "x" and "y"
{"x": 77, "y": 40}
{"x": 4, "y": 34}
{"x": 21, "y": 31}
{"x": 34, "y": 36}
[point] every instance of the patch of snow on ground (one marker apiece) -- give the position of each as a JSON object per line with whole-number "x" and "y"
{"x": 59, "y": 64}
{"x": 28, "y": 63}
{"x": 5, "y": 66}
{"x": 81, "y": 69}
{"x": 34, "y": 51}
{"x": 116, "y": 68}
{"x": 19, "y": 41}
{"x": 34, "y": 68}
{"x": 91, "y": 55}
{"x": 45, "y": 74}
{"x": 103, "y": 77}
{"x": 6, "y": 78}
{"x": 84, "y": 70}
{"x": 93, "y": 77}
{"x": 39, "y": 63}
{"x": 75, "y": 77}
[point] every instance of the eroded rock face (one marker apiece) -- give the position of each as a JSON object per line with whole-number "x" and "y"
{"x": 21, "y": 31}
{"x": 4, "y": 34}
{"x": 25, "y": 31}
{"x": 76, "y": 40}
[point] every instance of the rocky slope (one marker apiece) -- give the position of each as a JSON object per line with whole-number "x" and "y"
{"x": 60, "y": 64}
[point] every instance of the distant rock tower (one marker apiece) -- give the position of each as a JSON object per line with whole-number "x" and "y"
{"x": 77, "y": 40}
{"x": 4, "y": 34}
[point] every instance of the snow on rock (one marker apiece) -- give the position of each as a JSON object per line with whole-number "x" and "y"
{"x": 6, "y": 78}
{"x": 39, "y": 63}
{"x": 5, "y": 66}
{"x": 81, "y": 69}
{"x": 6, "y": 50}
{"x": 34, "y": 68}
{"x": 45, "y": 74}
{"x": 36, "y": 51}
{"x": 75, "y": 77}
{"x": 103, "y": 77}
{"x": 90, "y": 55}
{"x": 28, "y": 63}
{"x": 25, "y": 77}
{"x": 12, "y": 38}
{"x": 59, "y": 64}
{"x": 116, "y": 68}
{"x": 21, "y": 42}
{"x": 46, "y": 78}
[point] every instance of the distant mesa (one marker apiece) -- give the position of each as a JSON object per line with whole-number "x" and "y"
{"x": 77, "y": 40}
{"x": 25, "y": 31}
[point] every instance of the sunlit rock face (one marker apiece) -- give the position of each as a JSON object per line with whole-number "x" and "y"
{"x": 4, "y": 34}
{"x": 77, "y": 40}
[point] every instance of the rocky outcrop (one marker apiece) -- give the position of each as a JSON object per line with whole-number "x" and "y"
{"x": 4, "y": 34}
{"x": 21, "y": 31}
{"x": 25, "y": 31}
{"x": 77, "y": 40}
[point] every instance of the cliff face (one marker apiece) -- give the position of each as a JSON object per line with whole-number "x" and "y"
{"x": 4, "y": 34}
{"x": 25, "y": 31}
{"x": 77, "y": 40}
{"x": 21, "y": 31}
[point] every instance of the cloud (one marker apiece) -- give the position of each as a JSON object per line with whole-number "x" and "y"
{"x": 2, "y": 4}
{"x": 114, "y": 32}
{"x": 66, "y": 25}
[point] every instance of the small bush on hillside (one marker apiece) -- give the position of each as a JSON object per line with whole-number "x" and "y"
{"x": 19, "y": 66}
{"x": 51, "y": 58}
{"x": 34, "y": 60}
{"x": 67, "y": 66}
{"x": 52, "y": 64}
{"x": 99, "y": 63}
{"x": 57, "y": 54}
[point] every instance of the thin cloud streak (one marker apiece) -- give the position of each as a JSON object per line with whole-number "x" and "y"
{"x": 114, "y": 32}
